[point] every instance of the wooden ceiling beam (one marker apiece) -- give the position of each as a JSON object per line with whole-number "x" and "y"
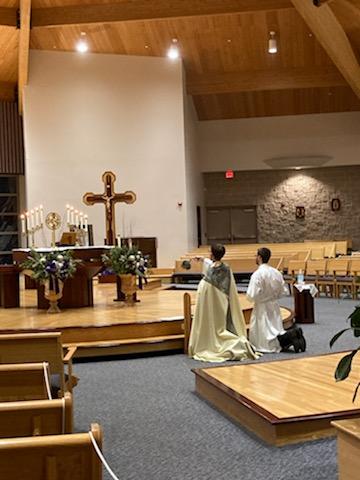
{"x": 24, "y": 41}
{"x": 7, "y": 91}
{"x": 8, "y": 17}
{"x": 128, "y": 10}
{"x": 261, "y": 80}
{"x": 331, "y": 35}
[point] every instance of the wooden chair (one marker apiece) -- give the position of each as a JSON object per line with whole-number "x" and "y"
{"x": 354, "y": 270}
{"x": 340, "y": 268}
{"x": 51, "y": 457}
{"x": 294, "y": 267}
{"x": 24, "y": 382}
{"x": 40, "y": 347}
{"x": 36, "y": 417}
{"x": 315, "y": 270}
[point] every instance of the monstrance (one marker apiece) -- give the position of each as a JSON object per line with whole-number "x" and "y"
{"x": 53, "y": 222}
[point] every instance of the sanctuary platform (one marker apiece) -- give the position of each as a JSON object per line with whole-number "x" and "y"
{"x": 156, "y": 323}
{"x": 282, "y": 402}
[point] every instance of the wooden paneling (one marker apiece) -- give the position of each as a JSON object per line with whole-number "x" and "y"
{"x": 223, "y": 44}
{"x": 7, "y": 91}
{"x": 24, "y": 41}
{"x": 280, "y": 102}
{"x": 11, "y": 140}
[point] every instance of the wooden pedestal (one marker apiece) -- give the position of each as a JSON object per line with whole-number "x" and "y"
{"x": 304, "y": 306}
{"x": 348, "y": 439}
{"x": 9, "y": 286}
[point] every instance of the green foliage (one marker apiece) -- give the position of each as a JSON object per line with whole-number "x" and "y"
{"x": 343, "y": 368}
{"x": 123, "y": 260}
{"x": 55, "y": 264}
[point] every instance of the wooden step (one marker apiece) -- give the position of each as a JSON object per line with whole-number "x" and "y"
{"x": 128, "y": 346}
{"x": 152, "y": 283}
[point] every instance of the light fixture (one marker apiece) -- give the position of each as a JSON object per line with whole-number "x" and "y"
{"x": 173, "y": 53}
{"x": 297, "y": 162}
{"x": 272, "y": 47}
{"x": 82, "y": 46}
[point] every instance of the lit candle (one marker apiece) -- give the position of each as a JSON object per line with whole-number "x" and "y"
{"x": 119, "y": 240}
{"x": 41, "y": 214}
{"x": 77, "y": 218}
{"x": 32, "y": 219}
{"x": 72, "y": 215}
{"x": 85, "y": 223}
{"x": 37, "y": 218}
{"x": 68, "y": 214}
{"x": 23, "y": 228}
{"x": 81, "y": 220}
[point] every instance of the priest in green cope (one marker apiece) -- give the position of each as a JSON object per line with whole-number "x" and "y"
{"x": 218, "y": 331}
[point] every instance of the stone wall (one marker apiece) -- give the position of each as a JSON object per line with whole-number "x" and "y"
{"x": 276, "y": 195}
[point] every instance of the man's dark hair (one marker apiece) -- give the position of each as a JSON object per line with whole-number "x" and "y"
{"x": 218, "y": 251}
{"x": 265, "y": 254}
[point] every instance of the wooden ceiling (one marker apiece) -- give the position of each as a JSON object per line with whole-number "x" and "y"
{"x": 223, "y": 44}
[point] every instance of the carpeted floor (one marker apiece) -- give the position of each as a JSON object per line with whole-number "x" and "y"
{"x": 155, "y": 427}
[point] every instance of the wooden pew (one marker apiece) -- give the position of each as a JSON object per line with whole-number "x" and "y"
{"x": 39, "y": 347}
{"x": 51, "y": 457}
{"x": 24, "y": 382}
{"x": 36, "y": 417}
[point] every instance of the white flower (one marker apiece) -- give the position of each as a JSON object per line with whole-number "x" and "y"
{"x": 131, "y": 258}
{"x": 60, "y": 257}
{"x": 42, "y": 259}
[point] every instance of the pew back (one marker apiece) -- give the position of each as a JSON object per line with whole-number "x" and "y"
{"x": 51, "y": 457}
{"x": 36, "y": 417}
{"x": 23, "y": 382}
{"x": 35, "y": 347}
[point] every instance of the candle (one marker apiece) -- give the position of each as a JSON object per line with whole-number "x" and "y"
{"x": 119, "y": 240}
{"x": 41, "y": 214}
{"x": 32, "y": 219}
{"x": 81, "y": 220}
{"x": 130, "y": 243}
{"x": 68, "y": 214}
{"x": 85, "y": 223}
{"x": 23, "y": 228}
{"x": 77, "y": 218}
{"x": 72, "y": 215}
{"x": 37, "y": 221}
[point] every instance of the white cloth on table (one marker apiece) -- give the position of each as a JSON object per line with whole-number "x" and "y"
{"x": 265, "y": 288}
{"x": 307, "y": 286}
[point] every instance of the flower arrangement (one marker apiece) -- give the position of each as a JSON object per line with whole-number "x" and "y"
{"x": 126, "y": 260}
{"x": 53, "y": 265}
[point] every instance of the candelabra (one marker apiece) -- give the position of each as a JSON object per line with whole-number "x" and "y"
{"x": 32, "y": 222}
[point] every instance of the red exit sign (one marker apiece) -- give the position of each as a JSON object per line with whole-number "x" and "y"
{"x": 229, "y": 174}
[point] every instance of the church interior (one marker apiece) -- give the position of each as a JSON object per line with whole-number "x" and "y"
{"x": 137, "y": 138}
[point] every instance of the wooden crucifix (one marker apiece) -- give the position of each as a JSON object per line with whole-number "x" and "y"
{"x": 109, "y": 198}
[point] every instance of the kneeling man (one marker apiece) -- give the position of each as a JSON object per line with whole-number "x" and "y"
{"x": 267, "y": 333}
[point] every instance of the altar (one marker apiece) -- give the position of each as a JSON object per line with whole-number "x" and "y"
{"x": 78, "y": 290}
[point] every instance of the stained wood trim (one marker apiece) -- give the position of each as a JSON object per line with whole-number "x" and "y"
{"x": 260, "y": 80}
{"x": 8, "y": 17}
{"x": 331, "y": 35}
{"x": 7, "y": 91}
{"x": 11, "y": 139}
{"x": 145, "y": 10}
{"x": 24, "y": 41}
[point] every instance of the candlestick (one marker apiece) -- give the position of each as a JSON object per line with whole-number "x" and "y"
{"x": 41, "y": 214}
{"x": 72, "y": 215}
{"x": 37, "y": 220}
{"x": 68, "y": 214}
{"x": 77, "y": 218}
{"x": 81, "y": 224}
{"x": 23, "y": 226}
{"x": 32, "y": 219}
{"x": 130, "y": 243}
{"x": 85, "y": 223}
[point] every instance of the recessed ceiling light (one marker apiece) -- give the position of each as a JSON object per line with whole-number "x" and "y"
{"x": 173, "y": 53}
{"x": 147, "y": 46}
{"x": 82, "y": 47}
{"x": 229, "y": 40}
{"x": 272, "y": 46}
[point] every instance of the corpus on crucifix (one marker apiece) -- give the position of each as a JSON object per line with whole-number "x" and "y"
{"x": 109, "y": 198}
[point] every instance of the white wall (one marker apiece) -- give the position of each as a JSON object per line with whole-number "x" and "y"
{"x": 244, "y": 144}
{"x": 194, "y": 180}
{"x": 85, "y": 114}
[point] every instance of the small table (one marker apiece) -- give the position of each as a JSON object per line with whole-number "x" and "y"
{"x": 304, "y": 303}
